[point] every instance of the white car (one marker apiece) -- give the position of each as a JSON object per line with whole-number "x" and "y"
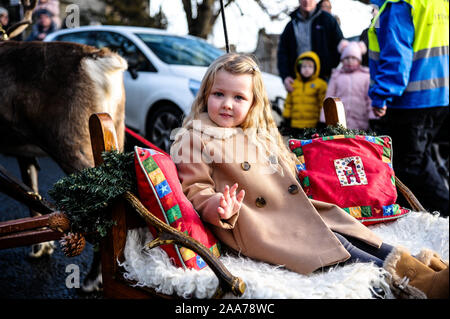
{"x": 164, "y": 74}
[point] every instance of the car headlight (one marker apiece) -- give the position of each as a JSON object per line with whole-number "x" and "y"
{"x": 194, "y": 86}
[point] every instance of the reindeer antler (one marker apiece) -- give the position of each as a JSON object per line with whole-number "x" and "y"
{"x": 18, "y": 27}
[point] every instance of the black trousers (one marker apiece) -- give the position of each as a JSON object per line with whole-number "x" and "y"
{"x": 413, "y": 132}
{"x": 362, "y": 252}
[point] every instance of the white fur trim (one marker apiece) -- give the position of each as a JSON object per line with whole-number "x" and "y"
{"x": 390, "y": 263}
{"x": 205, "y": 125}
{"x": 425, "y": 256}
{"x": 405, "y": 290}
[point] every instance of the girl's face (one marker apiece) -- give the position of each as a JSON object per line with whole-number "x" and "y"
{"x": 230, "y": 98}
{"x": 350, "y": 62}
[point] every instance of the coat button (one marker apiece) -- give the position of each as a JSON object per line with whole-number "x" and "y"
{"x": 293, "y": 189}
{"x": 260, "y": 202}
{"x": 245, "y": 166}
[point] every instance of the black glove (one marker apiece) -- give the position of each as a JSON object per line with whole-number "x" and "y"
{"x": 285, "y": 126}
{"x": 285, "y": 123}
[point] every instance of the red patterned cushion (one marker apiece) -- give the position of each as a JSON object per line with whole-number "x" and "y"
{"x": 160, "y": 192}
{"x": 351, "y": 171}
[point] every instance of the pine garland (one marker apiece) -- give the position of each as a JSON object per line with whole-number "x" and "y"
{"x": 85, "y": 195}
{"x": 330, "y": 131}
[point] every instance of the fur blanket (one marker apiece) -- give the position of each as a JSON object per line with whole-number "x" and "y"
{"x": 153, "y": 268}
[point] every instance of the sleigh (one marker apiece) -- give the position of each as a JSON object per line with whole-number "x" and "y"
{"x": 130, "y": 270}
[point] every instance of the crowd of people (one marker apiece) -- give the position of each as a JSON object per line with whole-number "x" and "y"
{"x": 45, "y": 20}
{"x": 394, "y": 81}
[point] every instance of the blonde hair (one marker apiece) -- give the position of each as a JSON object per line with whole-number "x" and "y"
{"x": 259, "y": 124}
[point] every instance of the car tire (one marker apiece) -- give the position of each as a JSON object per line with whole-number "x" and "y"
{"x": 160, "y": 124}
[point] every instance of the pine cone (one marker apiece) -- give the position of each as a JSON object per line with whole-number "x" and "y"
{"x": 72, "y": 244}
{"x": 58, "y": 221}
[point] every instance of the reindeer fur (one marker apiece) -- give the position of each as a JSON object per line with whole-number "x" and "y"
{"x": 48, "y": 92}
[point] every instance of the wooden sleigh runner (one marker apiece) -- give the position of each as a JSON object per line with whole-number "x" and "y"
{"x": 128, "y": 213}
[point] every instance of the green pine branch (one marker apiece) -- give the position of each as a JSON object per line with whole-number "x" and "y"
{"x": 330, "y": 131}
{"x": 85, "y": 195}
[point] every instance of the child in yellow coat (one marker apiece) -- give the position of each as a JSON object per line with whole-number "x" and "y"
{"x": 303, "y": 104}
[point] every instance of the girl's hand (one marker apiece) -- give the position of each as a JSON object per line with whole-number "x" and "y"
{"x": 230, "y": 203}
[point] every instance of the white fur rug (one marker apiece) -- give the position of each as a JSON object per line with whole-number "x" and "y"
{"x": 153, "y": 268}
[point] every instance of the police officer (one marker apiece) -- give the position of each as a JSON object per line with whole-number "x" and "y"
{"x": 409, "y": 68}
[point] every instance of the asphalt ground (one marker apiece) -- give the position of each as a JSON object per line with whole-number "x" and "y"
{"x": 48, "y": 277}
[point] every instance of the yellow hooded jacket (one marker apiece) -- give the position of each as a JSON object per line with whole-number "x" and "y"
{"x": 304, "y": 103}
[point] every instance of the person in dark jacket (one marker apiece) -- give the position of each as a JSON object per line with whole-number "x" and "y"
{"x": 43, "y": 26}
{"x": 310, "y": 29}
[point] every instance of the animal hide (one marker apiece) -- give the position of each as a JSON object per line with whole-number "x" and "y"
{"x": 153, "y": 268}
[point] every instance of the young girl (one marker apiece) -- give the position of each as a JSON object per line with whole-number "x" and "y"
{"x": 230, "y": 138}
{"x": 350, "y": 83}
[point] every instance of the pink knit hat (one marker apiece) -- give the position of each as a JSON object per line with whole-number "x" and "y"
{"x": 352, "y": 48}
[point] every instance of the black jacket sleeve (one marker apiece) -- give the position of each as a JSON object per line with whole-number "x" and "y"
{"x": 286, "y": 52}
{"x": 326, "y": 35}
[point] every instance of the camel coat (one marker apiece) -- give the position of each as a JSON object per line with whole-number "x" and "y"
{"x": 277, "y": 223}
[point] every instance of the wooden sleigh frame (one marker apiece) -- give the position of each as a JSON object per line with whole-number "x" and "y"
{"x": 129, "y": 213}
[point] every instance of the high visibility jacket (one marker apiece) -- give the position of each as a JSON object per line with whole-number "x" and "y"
{"x": 409, "y": 54}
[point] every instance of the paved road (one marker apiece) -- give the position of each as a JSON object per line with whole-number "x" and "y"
{"x": 22, "y": 277}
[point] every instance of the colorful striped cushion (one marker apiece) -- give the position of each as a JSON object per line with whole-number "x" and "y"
{"x": 160, "y": 192}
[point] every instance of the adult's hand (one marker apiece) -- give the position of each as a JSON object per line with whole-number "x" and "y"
{"x": 288, "y": 84}
{"x": 379, "y": 111}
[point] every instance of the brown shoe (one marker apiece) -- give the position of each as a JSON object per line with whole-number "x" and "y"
{"x": 432, "y": 260}
{"x": 411, "y": 279}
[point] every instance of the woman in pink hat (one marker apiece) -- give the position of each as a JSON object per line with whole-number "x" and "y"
{"x": 350, "y": 83}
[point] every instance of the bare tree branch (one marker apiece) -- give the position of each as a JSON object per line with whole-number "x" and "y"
{"x": 208, "y": 12}
{"x": 187, "y": 6}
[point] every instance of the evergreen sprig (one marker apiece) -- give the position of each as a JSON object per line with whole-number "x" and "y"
{"x": 330, "y": 131}
{"x": 85, "y": 195}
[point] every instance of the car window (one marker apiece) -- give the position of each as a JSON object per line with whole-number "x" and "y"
{"x": 125, "y": 48}
{"x": 78, "y": 37}
{"x": 180, "y": 50}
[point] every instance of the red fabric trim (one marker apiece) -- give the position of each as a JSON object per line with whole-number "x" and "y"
{"x": 143, "y": 140}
